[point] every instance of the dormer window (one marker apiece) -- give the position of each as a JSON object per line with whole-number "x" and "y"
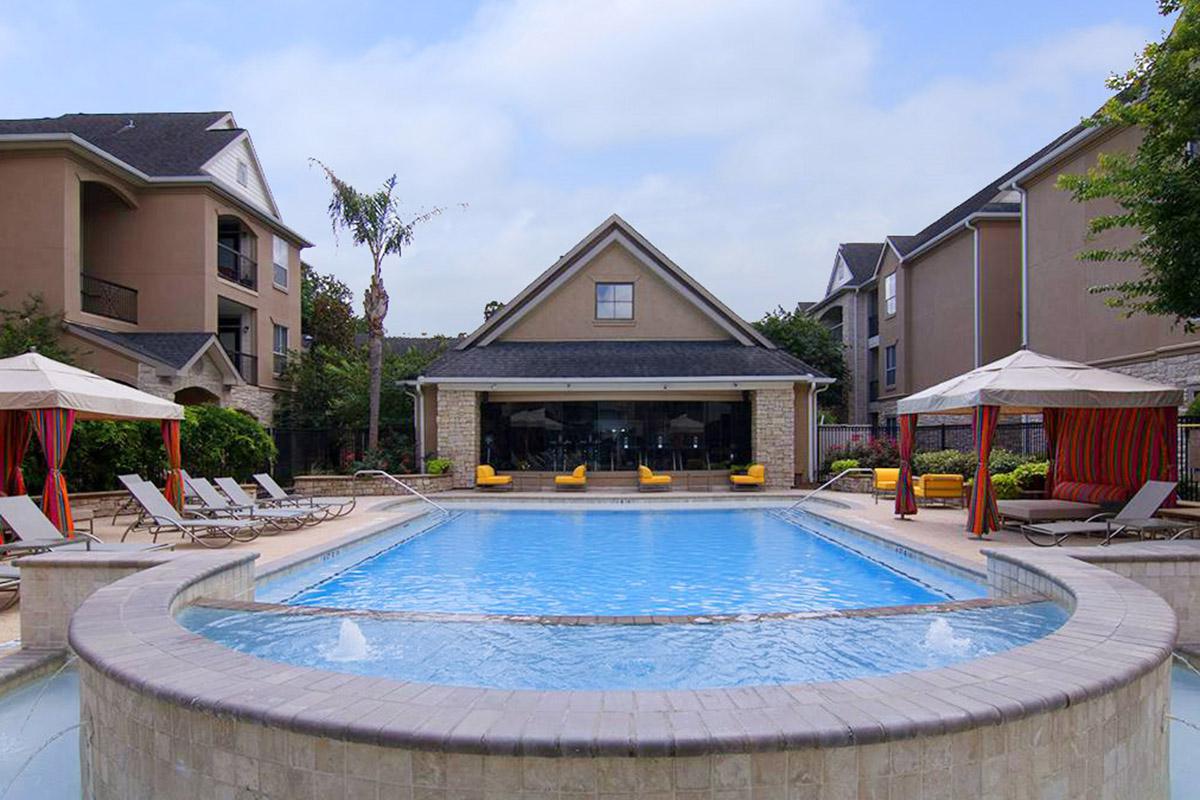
{"x": 243, "y": 173}
{"x": 614, "y": 301}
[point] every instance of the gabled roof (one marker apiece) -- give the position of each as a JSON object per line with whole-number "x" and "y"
{"x": 613, "y": 229}
{"x": 628, "y": 359}
{"x": 861, "y": 258}
{"x": 171, "y": 349}
{"x": 175, "y": 144}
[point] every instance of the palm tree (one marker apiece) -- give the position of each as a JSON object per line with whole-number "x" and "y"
{"x": 373, "y": 219}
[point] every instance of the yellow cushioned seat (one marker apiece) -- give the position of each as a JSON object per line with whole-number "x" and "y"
{"x": 934, "y": 486}
{"x": 647, "y": 479}
{"x": 577, "y": 478}
{"x": 884, "y": 480}
{"x": 485, "y": 475}
{"x": 756, "y": 475}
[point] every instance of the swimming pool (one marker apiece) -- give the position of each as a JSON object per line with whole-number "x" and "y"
{"x": 622, "y": 599}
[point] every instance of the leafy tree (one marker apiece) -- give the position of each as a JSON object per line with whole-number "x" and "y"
{"x": 812, "y": 343}
{"x": 31, "y": 327}
{"x": 1157, "y": 186}
{"x": 326, "y": 310}
{"x": 374, "y": 220}
{"x": 491, "y": 308}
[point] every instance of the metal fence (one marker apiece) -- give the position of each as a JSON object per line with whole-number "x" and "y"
{"x": 330, "y": 450}
{"x": 1021, "y": 437}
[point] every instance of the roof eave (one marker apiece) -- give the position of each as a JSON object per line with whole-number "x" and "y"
{"x": 1055, "y": 155}
{"x": 957, "y": 228}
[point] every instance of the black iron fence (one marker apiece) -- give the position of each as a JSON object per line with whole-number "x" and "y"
{"x": 1020, "y": 437}
{"x": 330, "y": 450}
{"x": 108, "y": 299}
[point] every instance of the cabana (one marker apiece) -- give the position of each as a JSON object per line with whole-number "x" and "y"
{"x": 1106, "y": 433}
{"x": 43, "y": 396}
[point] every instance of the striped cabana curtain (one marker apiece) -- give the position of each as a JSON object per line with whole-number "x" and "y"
{"x": 982, "y": 516}
{"x": 53, "y": 426}
{"x": 906, "y": 498}
{"x": 14, "y": 440}
{"x": 174, "y": 487}
{"x": 1050, "y": 420}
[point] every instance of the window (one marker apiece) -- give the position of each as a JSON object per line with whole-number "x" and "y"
{"x": 279, "y": 349}
{"x": 279, "y": 255}
{"x": 889, "y": 294}
{"x": 614, "y": 301}
{"x": 889, "y": 365}
{"x": 243, "y": 173}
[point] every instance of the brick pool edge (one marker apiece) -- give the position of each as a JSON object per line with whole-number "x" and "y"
{"x": 1078, "y": 713}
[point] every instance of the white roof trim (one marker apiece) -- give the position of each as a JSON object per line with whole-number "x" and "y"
{"x": 1054, "y": 155}
{"x": 958, "y": 227}
{"x": 245, "y": 136}
{"x": 537, "y": 290}
{"x": 645, "y": 384}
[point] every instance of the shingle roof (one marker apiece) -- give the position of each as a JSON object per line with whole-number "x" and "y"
{"x": 974, "y": 203}
{"x": 173, "y": 349}
{"x": 616, "y": 359}
{"x": 172, "y": 144}
{"x": 861, "y": 258}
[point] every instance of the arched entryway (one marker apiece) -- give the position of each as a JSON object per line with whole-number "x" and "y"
{"x": 196, "y": 396}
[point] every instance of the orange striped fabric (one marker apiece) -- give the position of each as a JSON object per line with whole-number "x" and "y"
{"x": 1106, "y": 454}
{"x": 53, "y": 426}
{"x": 14, "y": 440}
{"x": 982, "y": 516}
{"x": 906, "y": 498}
{"x": 174, "y": 487}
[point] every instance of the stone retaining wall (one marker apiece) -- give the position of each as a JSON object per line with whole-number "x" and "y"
{"x": 349, "y": 486}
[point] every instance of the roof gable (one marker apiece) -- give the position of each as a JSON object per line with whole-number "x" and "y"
{"x": 613, "y": 231}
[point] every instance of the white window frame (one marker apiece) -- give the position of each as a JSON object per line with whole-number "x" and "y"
{"x": 889, "y": 369}
{"x": 614, "y": 310}
{"x": 279, "y": 357}
{"x": 889, "y": 294}
{"x": 280, "y": 253}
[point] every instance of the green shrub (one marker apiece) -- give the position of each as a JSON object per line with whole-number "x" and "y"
{"x": 843, "y": 464}
{"x": 1031, "y": 476}
{"x": 944, "y": 462}
{"x": 1193, "y": 409}
{"x": 1006, "y": 486}
{"x": 1006, "y": 460}
{"x": 881, "y": 451}
{"x": 437, "y": 466}
{"x": 222, "y": 441}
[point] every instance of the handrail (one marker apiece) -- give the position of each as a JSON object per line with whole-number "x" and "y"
{"x": 829, "y": 483}
{"x": 402, "y": 485}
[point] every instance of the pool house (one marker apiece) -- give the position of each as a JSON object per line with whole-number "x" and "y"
{"x": 614, "y": 357}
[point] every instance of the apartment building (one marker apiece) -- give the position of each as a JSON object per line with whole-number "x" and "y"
{"x": 998, "y": 272}
{"x": 157, "y": 238}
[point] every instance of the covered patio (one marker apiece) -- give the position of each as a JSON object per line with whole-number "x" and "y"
{"x": 1106, "y": 433}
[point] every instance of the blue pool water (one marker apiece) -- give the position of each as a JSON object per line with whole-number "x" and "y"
{"x": 532, "y": 656}
{"x": 630, "y": 562}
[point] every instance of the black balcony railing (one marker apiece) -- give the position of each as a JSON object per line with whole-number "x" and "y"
{"x": 108, "y": 299}
{"x": 246, "y": 365}
{"x": 235, "y": 267}
{"x": 872, "y": 326}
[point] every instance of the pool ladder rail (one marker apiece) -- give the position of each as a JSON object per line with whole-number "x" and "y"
{"x": 829, "y": 483}
{"x": 380, "y": 473}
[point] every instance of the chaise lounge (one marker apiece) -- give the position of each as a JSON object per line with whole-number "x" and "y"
{"x": 755, "y": 478}
{"x": 1136, "y": 516}
{"x": 486, "y": 478}
{"x": 649, "y": 482}
{"x": 576, "y": 480}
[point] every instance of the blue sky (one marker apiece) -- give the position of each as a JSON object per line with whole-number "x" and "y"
{"x": 745, "y": 139}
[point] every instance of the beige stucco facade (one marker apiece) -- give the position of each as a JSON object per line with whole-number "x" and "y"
{"x": 64, "y": 214}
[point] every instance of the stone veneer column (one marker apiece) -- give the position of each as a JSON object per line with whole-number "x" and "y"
{"x": 458, "y": 433}
{"x": 773, "y": 433}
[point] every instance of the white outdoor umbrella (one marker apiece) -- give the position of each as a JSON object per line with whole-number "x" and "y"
{"x": 32, "y": 381}
{"x": 1027, "y": 382}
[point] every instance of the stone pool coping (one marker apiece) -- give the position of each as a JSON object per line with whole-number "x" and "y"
{"x": 1118, "y": 632}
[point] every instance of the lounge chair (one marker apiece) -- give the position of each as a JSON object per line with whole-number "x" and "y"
{"x": 1137, "y": 516}
{"x": 649, "y": 482}
{"x": 234, "y": 491}
{"x": 884, "y": 481}
{"x": 35, "y": 533}
{"x": 10, "y": 585}
{"x": 336, "y": 506}
{"x": 576, "y": 480}
{"x": 943, "y": 487}
{"x": 159, "y": 516}
{"x": 1045, "y": 510}
{"x": 217, "y": 505}
{"x": 486, "y": 478}
{"x": 755, "y": 478}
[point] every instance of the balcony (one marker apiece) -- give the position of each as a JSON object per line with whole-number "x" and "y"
{"x": 872, "y": 326}
{"x": 108, "y": 299}
{"x": 873, "y": 391}
{"x": 246, "y": 365}
{"x": 235, "y": 267}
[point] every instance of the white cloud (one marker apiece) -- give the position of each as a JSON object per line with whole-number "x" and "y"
{"x": 742, "y": 138}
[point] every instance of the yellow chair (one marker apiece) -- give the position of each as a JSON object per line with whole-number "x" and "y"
{"x": 648, "y": 481}
{"x": 576, "y": 480}
{"x": 756, "y": 476}
{"x": 885, "y": 481}
{"x": 486, "y": 478}
{"x": 935, "y": 486}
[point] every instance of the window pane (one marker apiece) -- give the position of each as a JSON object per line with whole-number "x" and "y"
{"x": 604, "y": 310}
{"x": 623, "y": 291}
{"x": 623, "y": 310}
{"x": 604, "y": 292}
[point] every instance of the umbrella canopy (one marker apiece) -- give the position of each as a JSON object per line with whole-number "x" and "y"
{"x": 1027, "y": 382}
{"x": 32, "y": 381}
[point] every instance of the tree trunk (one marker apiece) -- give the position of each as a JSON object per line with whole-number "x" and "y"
{"x": 375, "y": 366}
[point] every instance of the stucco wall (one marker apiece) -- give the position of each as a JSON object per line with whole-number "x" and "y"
{"x": 939, "y": 329}
{"x": 1000, "y": 288}
{"x": 660, "y": 312}
{"x": 891, "y": 326}
{"x": 1064, "y": 319}
{"x": 34, "y": 212}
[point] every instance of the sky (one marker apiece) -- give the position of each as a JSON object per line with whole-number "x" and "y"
{"x": 745, "y": 139}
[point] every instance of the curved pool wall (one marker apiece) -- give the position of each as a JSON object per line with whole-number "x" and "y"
{"x": 1079, "y": 713}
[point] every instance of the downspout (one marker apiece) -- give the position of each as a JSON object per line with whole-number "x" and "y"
{"x": 975, "y": 255}
{"x": 813, "y": 422}
{"x": 413, "y": 390}
{"x": 1024, "y": 267}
